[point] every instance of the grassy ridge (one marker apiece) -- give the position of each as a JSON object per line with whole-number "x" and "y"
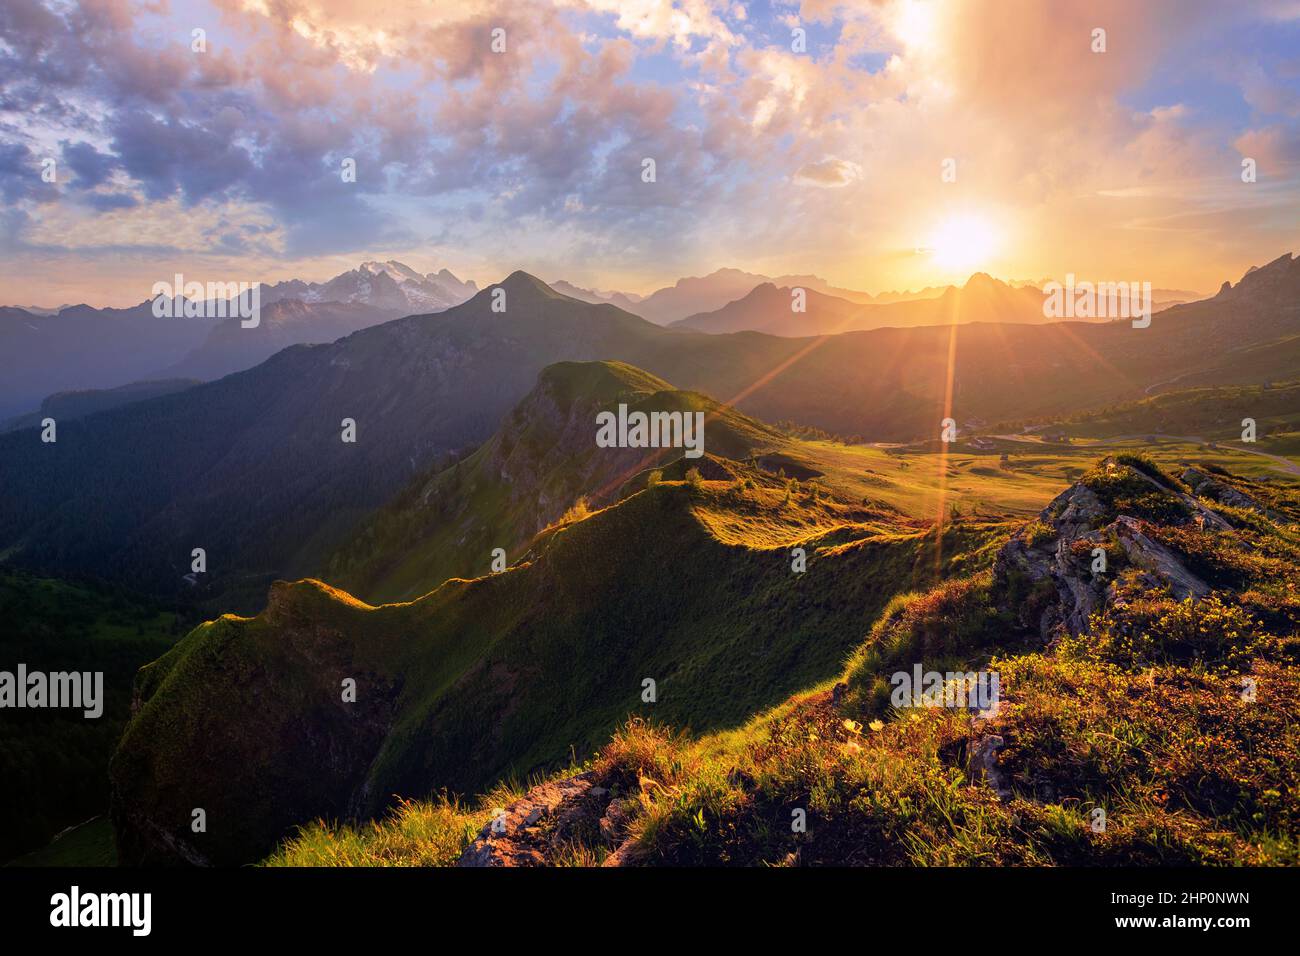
{"x": 1214, "y": 413}
{"x": 510, "y": 674}
{"x": 1144, "y": 717}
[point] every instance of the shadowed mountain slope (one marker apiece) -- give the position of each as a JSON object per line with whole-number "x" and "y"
{"x": 230, "y": 347}
{"x": 253, "y": 467}
{"x": 65, "y": 406}
{"x": 85, "y": 348}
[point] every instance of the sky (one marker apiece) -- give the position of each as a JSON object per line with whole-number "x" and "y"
{"x": 901, "y": 144}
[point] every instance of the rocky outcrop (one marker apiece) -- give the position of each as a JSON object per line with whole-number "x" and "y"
{"x": 1224, "y": 493}
{"x": 532, "y": 830}
{"x": 1044, "y": 553}
{"x": 1157, "y": 560}
{"x": 1055, "y": 553}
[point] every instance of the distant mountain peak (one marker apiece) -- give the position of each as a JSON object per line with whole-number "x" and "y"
{"x": 398, "y": 271}
{"x": 390, "y": 285}
{"x": 525, "y": 283}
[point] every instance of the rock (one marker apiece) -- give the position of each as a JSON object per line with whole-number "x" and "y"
{"x": 1224, "y": 493}
{"x": 1204, "y": 514}
{"x": 1063, "y": 556}
{"x": 1158, "y": 560}
{"x": 613, "y": 825}
{"x": 539, "y": 822}
{"x": 984, "y": 765}
{"x": 1071, "y": 516}
{"x": 627, "y": 854}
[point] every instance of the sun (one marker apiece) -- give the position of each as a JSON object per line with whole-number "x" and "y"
{"x": 915, "y": 22}
{"x": 962, "y": 243}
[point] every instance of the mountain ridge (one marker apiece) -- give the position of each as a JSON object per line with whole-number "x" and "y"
{"x": 501, "y": 673}
{"x": 541, "y": 462}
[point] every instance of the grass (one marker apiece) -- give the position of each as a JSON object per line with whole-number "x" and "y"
{"x": 424, "y": 833}
{"x": 506, "y": 674}
{"x": 1167, "y": 734}
{"x": 1212, "y": 412}
{"x": 542, "y": 460}
{"x": 688, "y": 580}
{"x": 532, "y": 473}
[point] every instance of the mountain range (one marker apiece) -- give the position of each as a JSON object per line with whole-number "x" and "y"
{"x": 500, "y": 586}
{"x": 769, "y": 307}
{"x": 696, "y": 294}
{"x": 387, "y": 285}
{"x": 80, "y": 347}
{"x": 252, "y": 466}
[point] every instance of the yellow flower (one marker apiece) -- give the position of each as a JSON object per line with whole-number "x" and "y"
{"x": 877, "y": 725}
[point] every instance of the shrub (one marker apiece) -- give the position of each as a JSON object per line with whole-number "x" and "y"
{"x": 1123, "y": 491}
{"x": 1037, "y": 533}
{"x": 1209, "y": 632}
{"x": 577, "y": 511}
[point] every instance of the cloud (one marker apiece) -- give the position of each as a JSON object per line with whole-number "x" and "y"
{"x": 90, "y": 167}
{"x": 496, "y": 154}
{"x": 1275, "y": 148}
{"x": 20, "y": 175}
{"x": 828, "y": 173}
